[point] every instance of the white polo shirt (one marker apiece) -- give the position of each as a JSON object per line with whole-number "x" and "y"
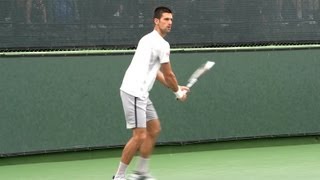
{"x": 151, "y": 52}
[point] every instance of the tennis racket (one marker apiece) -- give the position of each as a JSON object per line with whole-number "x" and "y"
{"x": 199, "y": 72}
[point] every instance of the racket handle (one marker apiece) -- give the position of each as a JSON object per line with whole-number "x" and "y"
{"x": 184, "y": 91}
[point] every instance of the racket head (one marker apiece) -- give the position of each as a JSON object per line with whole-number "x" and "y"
{"x": 199, "y": 72}
{"x": 209, "y": 65}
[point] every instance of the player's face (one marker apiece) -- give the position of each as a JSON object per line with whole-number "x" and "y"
{"x": 164, "y": 24}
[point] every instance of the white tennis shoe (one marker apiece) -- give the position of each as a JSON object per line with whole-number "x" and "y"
{"x": 119, "y": 178}
{"x": 140, "y": 176}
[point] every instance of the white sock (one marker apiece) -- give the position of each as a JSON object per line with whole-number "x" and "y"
{"x": 121, "y": 170}
{"x": 143, "y": 165}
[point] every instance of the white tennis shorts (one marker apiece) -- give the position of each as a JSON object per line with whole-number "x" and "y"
{"x": 137, "y": 111}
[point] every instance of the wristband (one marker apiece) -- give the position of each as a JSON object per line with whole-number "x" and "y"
{"x": 179, "y": 94}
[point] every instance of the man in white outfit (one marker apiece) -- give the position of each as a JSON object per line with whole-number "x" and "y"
{"x": 151, "y": 61}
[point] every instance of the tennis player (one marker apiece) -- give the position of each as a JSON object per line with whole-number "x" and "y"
{"x": 150, "y": 62}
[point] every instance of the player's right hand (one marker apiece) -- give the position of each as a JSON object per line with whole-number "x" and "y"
{"x": 182, "y": 96}
{"x": 185, "y": 89}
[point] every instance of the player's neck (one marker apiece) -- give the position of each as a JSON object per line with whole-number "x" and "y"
{"x": 161, "y": 33}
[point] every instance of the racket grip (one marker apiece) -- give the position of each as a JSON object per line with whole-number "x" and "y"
{"x": 184, "y": 92}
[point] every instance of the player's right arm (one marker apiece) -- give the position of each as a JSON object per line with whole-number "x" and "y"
{"x": 167, "y": 77}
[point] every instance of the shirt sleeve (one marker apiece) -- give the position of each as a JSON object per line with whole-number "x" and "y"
{"x": 164, "y": 55}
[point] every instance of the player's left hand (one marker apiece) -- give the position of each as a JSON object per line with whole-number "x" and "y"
{"x": 185, "y": 89}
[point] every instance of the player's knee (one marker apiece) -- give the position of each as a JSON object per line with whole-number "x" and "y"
{"x": 140, "y": 137}
{"x": 154, "y": 132}
{"x": 154, "y": 128}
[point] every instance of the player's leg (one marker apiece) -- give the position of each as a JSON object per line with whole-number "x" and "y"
{"x": 153, "y": 131}
{"x": 135, "y": 115}
{"x": 146, "y": 148}
{"x": 130, "y": 149}
{"x": 139, "y": 135}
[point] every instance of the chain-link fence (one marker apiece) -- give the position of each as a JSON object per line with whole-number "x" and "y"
{"x": 59, "y": 24}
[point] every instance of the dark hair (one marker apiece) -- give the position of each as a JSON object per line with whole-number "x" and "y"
{"x": 160, "y": 10}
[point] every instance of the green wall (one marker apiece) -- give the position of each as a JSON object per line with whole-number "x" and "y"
{"x": 62, "y": 103}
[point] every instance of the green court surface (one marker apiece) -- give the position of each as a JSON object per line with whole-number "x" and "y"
{"x": 263, "y": 159}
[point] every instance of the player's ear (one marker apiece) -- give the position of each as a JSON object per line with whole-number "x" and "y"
{"x": 156, "y": 21}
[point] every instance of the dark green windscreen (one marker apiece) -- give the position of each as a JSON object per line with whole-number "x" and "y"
{"x": 58, "y": 103}
{"x": 121, "y": 23}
